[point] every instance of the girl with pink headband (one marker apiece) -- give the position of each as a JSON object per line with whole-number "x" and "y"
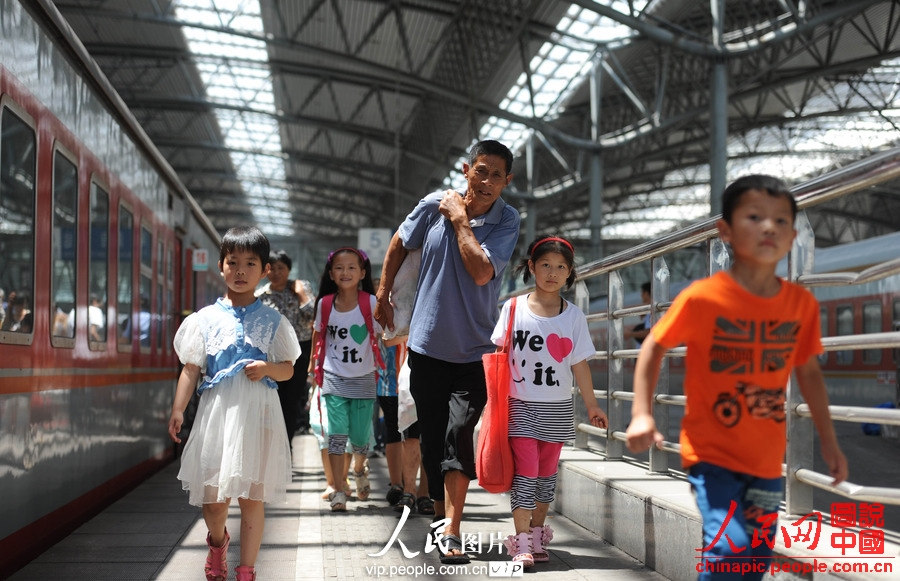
{"x": 549, "y": 350}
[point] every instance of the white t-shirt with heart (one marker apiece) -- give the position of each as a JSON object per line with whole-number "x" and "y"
{"x": 348, "y": 349}
{"x": 544, "y": 349}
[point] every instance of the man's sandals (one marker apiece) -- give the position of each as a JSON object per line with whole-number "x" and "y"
{"x": 425, "y": 505}
{"x": 453, "y": 543}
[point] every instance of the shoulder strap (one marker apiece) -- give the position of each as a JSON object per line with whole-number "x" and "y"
{"x": 507, "y": 341}
{"x": 327, "y": 303}
{"x": 365, "y": 307}
{"x": 319, "y": 351}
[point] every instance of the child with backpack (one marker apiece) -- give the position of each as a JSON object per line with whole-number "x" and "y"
{"x": 344, "y": 360}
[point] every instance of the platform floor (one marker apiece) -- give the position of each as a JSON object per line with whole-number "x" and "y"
{"x": 152, "y": 533}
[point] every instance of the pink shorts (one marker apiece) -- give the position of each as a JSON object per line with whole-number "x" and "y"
{"x": 535, "y": 458}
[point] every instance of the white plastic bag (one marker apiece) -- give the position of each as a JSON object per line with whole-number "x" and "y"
{"x": 406, "y": 406}
{"x": 403, "y": 294}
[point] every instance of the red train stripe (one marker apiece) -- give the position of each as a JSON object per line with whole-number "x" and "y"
{"x": 36, "y": 383}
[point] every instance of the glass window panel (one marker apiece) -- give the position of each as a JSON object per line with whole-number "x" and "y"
{"x": 844, "y": 326}
{"x": 144, "y": 314}
{"x": 895, "y": 326}
{"x": 146, "y": 247}
{"x": 17, "y": 196}
{"x": 168, "y": 314}
{"x": 99, "y": 267}
{"x": 823, "y": 326}
{"x": 125, "y": 290}
{"x": 156, "y": 319}
{"x": 65, "y": 246}
{"x": 872, "y": 324}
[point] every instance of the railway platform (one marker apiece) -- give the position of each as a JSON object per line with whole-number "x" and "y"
{"x": 152, "y": 533}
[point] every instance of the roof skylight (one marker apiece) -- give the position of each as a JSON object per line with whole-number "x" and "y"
{"x": 566, "y": 59}
{"x": 251, "y": 133}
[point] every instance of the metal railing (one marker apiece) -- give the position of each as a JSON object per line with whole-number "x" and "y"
{"x": 800, "y": 479}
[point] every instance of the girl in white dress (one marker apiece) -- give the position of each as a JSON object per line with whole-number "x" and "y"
{"x": 238, "y": 349}
{"x": 548, "y": 355}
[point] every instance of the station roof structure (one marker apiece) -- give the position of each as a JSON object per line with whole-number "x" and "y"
{"x": 314, "y": 118}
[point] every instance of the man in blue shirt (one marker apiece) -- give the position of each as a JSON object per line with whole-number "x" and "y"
{"x": 467, "y": 240}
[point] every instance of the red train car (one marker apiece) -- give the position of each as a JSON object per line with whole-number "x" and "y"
{"x": 96, "y": 246}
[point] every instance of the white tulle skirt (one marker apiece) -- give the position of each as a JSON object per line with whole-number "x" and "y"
{"x": 238, "y": 445}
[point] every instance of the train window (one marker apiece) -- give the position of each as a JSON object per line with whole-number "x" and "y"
{"x": 125, "y": 290}
{"x": 99, "y": 267}
{"x": 64, "y": 251}
{"x": 157, "y": 316}
{"x": 144, "y": 317}
{"x": 823, "y": 326}
{"x": 145, "y": 320}
{"x": 17, "y": 197}
{"x": 170, "y": 266}
{"x": 872, "y": 324}
{"x": 844, "y": 326}
{"x": 160, "y": 285}
{"x": 168, "y": 321}
{"x": 146, "y": 247}
{"x": 895, "y": 326}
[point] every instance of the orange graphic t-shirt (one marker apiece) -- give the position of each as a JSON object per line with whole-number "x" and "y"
{"x": 741, "y": 349}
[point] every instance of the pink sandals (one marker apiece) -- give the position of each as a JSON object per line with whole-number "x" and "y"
{"x": 519, "y": 548}
{"x": 216, "y": 561}
{"x": 540, "y": 538}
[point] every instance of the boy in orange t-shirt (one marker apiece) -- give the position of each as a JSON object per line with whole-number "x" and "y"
{"x": 745, "y": 331}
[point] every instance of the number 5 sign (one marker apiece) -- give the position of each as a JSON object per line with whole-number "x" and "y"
{"x": 374, "y": 242}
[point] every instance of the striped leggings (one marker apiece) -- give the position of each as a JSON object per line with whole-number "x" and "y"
{"x": 536, "y": 464}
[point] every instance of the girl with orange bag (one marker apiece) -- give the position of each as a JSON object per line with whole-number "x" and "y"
{"x": 550, "y": 348}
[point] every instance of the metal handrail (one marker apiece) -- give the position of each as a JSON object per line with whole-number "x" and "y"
{"x": 856, "y": 414}
{"x": 856, "y": 492}
{"x": 871, "y": 171}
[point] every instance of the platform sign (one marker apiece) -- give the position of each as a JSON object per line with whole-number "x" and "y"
{"x": 374, "y": 242}
{"x": 200, "y": 259}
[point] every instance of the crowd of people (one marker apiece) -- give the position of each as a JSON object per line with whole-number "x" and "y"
{"x": 256, "y": 352}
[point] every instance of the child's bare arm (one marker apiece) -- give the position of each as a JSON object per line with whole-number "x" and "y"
{"x": 642, "y": 432}
{"x": 280, "y": 371}
{"x": 395, "y": 340}
{"x": 812, "y": 387}
{"x": 582, "y": 373}
{"x": 187, "y": 382}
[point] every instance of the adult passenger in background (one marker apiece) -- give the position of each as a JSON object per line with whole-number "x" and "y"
{"x": 96, "y": 321}
{"x": 142, "y": 322}
{"x": 295, "y": 300}
{"x": 467, "y": 239}
{"x": 18, "y": 316}
{"x": 640, "y": 331}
